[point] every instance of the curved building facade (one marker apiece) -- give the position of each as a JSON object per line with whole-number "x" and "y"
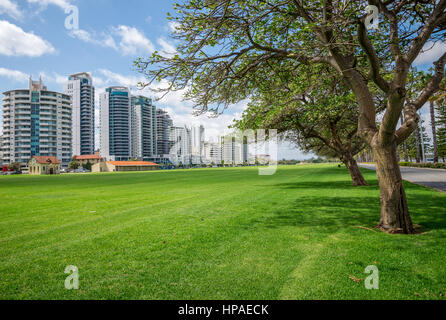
{"x": 36, "y": 122}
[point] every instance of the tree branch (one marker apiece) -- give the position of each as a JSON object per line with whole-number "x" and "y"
{"x": 410, "y": 111}
{"x": 373, "y": 58}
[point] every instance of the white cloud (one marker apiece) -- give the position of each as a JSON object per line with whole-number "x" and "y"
{"x": 10, "y": 8}
{"x": 63, "y": 4}
{"x": 13, "y": 75}
{"x": 133, "y": 41}
{"x": 16, "y": 42}
{"x": 166, "y": 48}
{"x": 430, "y": 53}
{"x": 173, "y": 26}
{"x": 124, "y": 39}
{"x": 116, "y": 79}
{"x": 104, "y": 40}
{"x": 53, "y": 77}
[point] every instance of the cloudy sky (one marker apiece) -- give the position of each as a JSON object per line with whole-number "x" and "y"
{"x": 34, "y": 41}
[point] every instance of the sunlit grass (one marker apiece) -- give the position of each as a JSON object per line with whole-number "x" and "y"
{"x": 214, "y": 234}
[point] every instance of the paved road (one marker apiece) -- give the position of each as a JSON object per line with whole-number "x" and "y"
{"x": 434, "y": 178}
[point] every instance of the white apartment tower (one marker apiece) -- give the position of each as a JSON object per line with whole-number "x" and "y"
{"x": 163, "y": 127}
{"x": 197, "y": 144}
{"x": 143, "y": 128}
{"x": 80, "y": 87}
{"x": 212, "y": 152}
{"x": 36, "y": 122}
{"x": 232, "y": 150}
{"x": 115, "y": 123}
{"x": 180, "y": 140}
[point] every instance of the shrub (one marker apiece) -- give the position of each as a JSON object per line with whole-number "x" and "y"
{"x": 439, "y": 165}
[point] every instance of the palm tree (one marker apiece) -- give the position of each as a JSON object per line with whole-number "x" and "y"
{"x": 434, "y": 131}
{"x": 439, "y": 98}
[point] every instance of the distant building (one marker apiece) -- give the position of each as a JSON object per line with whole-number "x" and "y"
{"x": 80, "y": 87}
{"x": 115, "y": 123}
{"x": 180, "y": 150}
{"x": 212, "y": 153}
{"x": 1, "y": 150}
{"x": 92, "y": 158}
{"x": 36, "y": 122}
{"x": 44, "y": 165}
{"x": 115, "y": 166}
{"x": 232, "y": 150}
{"x": 163, "y": 125}
{"x": 144, "y": 128}
{"x": 197, "y": 144}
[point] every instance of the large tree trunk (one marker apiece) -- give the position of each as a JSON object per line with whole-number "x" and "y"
{"x": 353, "y": 169}
{"x": 434, "y": 132}
{"x": 395, "y": 216}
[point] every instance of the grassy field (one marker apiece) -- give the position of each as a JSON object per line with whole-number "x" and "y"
{"x": 214, "y": 234}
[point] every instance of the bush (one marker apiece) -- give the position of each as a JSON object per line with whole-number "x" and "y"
{"x": 87, "y": 166}
{"x": 15, "y": 166}
{"x": 439, "y": 165}
{"x": 73, "y": 165}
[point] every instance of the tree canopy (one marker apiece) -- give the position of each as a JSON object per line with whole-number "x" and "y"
{"x": 311, "y": 108}
{"x": 224, "y": 47}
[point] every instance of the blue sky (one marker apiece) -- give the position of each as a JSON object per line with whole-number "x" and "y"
{"x": 34, "y": 41}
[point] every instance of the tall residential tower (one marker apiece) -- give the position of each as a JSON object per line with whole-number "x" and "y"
{"x": 36, "y": 122}
{"x": 115, "y": 123}
{"x": 163, "y": 125}
{"x": 80, "y": 88}
{"x": 143, "y": 124}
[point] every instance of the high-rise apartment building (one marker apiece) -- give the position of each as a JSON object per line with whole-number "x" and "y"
{"x": 1, "y": 150}
{"x": 212, "y": 153}
{"x": 163, "y": 125}
{"x": 232, "y": 150}
{"x": 197, "y": 144}
{"x": 143, "y": 127}
{"x": 80, "y": 87}
{"x": 36, "y": 122}
{"x": 180, "y": 140}
{"x": 115, "y": 123}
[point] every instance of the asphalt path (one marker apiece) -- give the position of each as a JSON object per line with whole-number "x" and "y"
{"x": 433, "y": 178}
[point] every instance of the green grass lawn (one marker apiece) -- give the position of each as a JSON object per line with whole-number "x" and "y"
{"x": 214, "y": 234}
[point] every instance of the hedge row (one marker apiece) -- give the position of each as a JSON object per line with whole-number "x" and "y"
{"x": 440, "y": 165}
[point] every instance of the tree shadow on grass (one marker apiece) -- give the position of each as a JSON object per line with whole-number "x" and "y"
{"x": 320, "y": 185}
{"x": 426, "y": 206}
{"x": 328, "y": 214}
{"x": 331, "y": 213}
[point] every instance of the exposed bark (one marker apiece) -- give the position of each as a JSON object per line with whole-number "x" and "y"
{"x": 395, "y": 217}
{"x": 434, "y": 131}
{"x": 353, "y": 169}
